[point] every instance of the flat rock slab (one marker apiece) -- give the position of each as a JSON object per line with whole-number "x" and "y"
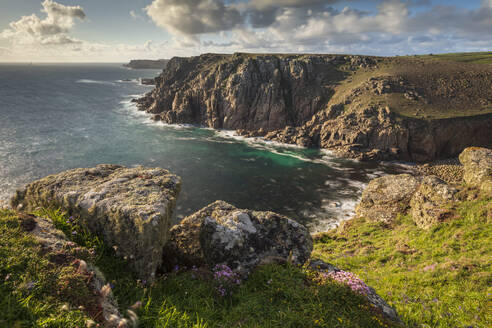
{"x": 221, "y": 234}
{"x": 130, "y": 208}
{"x": 384, "y": 198}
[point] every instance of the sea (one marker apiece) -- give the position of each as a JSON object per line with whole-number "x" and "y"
{"x": 55, "y": 117}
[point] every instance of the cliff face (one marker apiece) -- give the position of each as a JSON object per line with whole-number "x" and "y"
{"x": 245, "y": 92}
{"x": 359, "y": 106}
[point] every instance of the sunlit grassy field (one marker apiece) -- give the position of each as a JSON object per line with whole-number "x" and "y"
{"x": 32, "y": 293}
{"x": 436, "y": 278}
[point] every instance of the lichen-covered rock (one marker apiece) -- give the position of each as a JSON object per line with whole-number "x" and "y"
{"x": 102, "y": 306}
{"x": 428, "y": 204}
{"x": 384, "y": 198}
{"x": 371, "y": 295}
{"x": 241, "y": 239}
{"x": 477, "y": 164}
{"x": 130, "y": 208}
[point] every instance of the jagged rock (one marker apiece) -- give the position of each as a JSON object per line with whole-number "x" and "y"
{"x": 130, "y": 208}
{"x": 244, "y": 91}
{"x": 222, "y": 234}
{"x": 250, "y": 92}
{"x": 59, "y": 250}
{"x": 384, "y": 198}
{"x": 373, "y": 298}
{"x": 428, "y": 204}
{"x": 477, "y": 164}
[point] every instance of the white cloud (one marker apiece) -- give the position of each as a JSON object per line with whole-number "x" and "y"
{"x": 134, "y": 15}
{"x": 53, "y": 29}
{"x": 198, "y": 26}
{"x": 193, "y": 16}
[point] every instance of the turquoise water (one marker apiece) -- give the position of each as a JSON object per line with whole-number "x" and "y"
{"x": 57, "y": 117}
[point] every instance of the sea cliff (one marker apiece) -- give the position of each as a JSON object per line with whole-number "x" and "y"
{"x": 371, "y": 108}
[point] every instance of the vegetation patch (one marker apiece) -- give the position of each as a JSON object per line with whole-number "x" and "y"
{"x": 440, "y": 277}
{"x": 35, "y": 291}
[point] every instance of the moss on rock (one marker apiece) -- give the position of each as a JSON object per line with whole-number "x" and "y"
{"x": 130, "y": 208}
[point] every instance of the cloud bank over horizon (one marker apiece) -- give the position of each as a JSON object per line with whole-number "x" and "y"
{"x": 384, "y": 27}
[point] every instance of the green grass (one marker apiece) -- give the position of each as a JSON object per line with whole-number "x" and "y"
{"x": 273, "y": 296}
{"x": 463, "y": 57}
{"x": 29, "y": 283}
{"x": 436, "y": 278}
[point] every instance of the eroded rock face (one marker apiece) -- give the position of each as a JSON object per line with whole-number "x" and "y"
{"x": 477, "y": 164}
{"x": 130, "y": 208}
{"x": 384, "y": 198}
{"x": 241, "y": 239}
{"x": 428, "y": 204}
{"x": 243, "y": 91}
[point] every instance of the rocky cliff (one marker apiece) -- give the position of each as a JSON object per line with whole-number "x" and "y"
{"x": 359, "y": 106}
{"x": 147, "y": 64}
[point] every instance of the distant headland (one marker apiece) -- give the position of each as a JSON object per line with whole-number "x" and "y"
{"x": 147, "y": 64}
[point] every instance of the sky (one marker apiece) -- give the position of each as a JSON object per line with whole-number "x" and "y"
{"x": 120, "y": 30}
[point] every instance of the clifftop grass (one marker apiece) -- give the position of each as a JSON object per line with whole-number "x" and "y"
{"x": 436, "y": 278}
{"x": 273, "y": 296}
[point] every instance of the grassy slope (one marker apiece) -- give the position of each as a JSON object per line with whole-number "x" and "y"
{"x": 452, "y": 85}
{"x": 274, "y": 296}
{"x": 436, "y": 278}
{"x": 463, "y": 57}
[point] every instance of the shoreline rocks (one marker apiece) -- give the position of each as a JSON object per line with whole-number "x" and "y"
{"x": 130, "y": 208}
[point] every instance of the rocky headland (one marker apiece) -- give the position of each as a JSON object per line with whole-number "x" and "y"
{"x": 370, "y": 108}
{"x": 147, "y": 64}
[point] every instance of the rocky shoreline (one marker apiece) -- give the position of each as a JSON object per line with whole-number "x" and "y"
{"x": 313, "y": 101}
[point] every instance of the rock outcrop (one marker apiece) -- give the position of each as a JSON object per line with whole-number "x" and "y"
{"x": 384, "y": 198}
{"x": 130, "y": 208}
{"x": 477, "y": 164}
{"x": 299, "y": 99}
{"x": 430, "y": 201}
{"x": 221, "y": 234}
{"x": 244, "y": 91}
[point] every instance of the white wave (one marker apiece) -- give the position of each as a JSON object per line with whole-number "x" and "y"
{"x": 331, "y": 214}
{"x": 87, "y": 81}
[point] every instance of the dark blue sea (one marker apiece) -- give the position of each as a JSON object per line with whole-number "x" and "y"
{"x": 58, "y": 117}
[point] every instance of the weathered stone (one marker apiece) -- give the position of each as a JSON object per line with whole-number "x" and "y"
{"x": 222, "y": 234}
{"x": 477, "y": 164}
{"x": 428, "y": 204}
{"x": 384, "y": 198}
{"x": 373, "y": 298}
{"x": 130, "y": 208}
{"x": 56, "y": 246}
